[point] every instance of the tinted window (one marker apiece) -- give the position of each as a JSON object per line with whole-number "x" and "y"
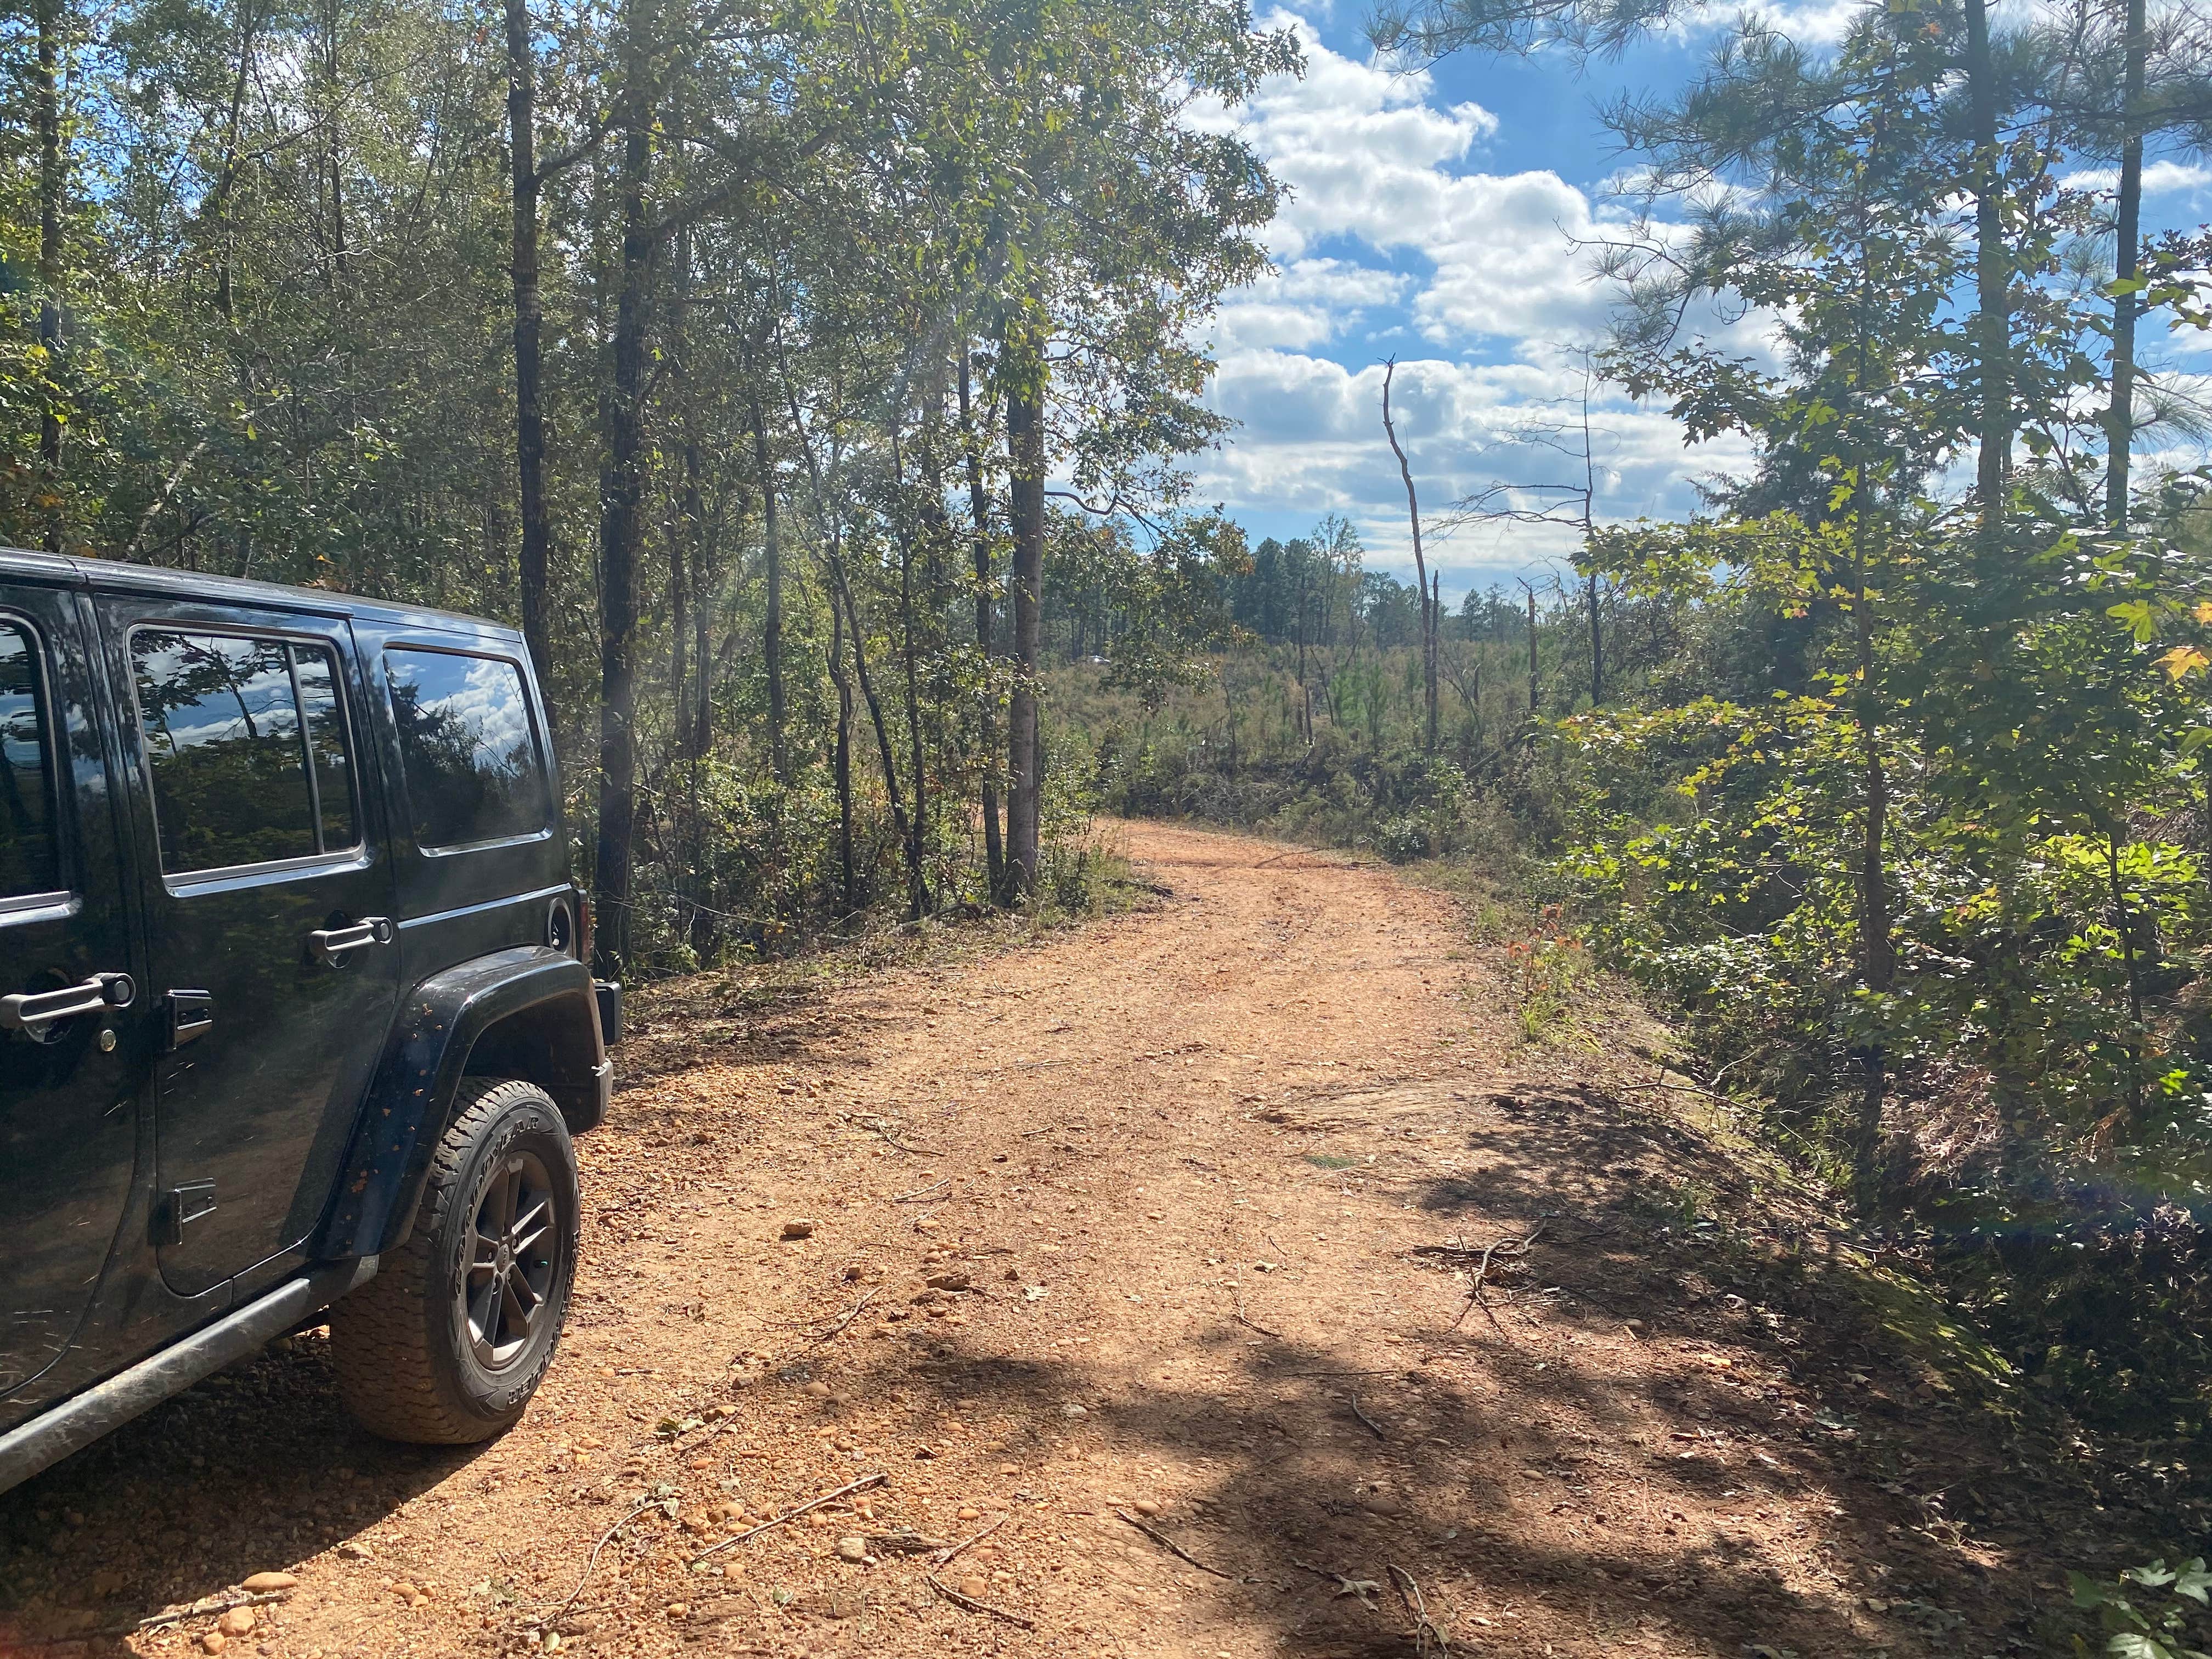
{"x": 232, "y": 780}
{"x": 29, "y": 859}
{"x": 326, "y": 748}
{"x": 466, "y": 742}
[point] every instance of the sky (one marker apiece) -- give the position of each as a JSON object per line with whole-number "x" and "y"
{"x": 1434, "y": 217}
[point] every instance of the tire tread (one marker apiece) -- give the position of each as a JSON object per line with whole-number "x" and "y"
{"x": 380, "y": 1335}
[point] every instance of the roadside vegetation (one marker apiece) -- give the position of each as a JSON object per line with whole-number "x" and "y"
{"x": 1885, "y": 775}
{"x": 813, "y": 388}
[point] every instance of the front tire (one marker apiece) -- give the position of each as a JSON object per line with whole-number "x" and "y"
{"x": 447, "y": 1345}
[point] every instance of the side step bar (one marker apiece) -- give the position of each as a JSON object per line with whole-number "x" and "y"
{"x": 82, "y": 1419}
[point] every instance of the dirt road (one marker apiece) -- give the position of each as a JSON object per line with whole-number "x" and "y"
{"x": 1139, "y": 1224}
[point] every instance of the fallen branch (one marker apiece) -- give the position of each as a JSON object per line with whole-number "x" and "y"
{"x": 1170, "y": 1546}
{"x": 1375, "y": 1428}
{"x": 921, "y": 1192}
{"x": 206, "y": 1605}
{"x": 945, "y": 1559}
{"x": 891, "y": 1139}
{"x": 1251, "y": 1323}
{"x": 839, "y": 1328}
{"x": 592, "y": 1561}
{"x": 1364, "y": 1588}
{"x": 1512, "y": 1247}
{"x": 865, "y": 1481}
{"x": 1428, "y": 1635}
{"x": 905, "y": 1542}
{"x": 973, "y": 1605}
{"x": 1678, "y": 1088}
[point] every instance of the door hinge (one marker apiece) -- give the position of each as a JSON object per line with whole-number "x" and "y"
{"x": 181, "y": 1206}
{"x": 192, "y": 1015}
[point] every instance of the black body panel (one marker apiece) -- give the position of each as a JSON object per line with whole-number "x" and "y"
{"x": 306, "y": 990}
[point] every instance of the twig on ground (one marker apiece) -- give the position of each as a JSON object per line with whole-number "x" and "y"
{"x": 1428, "y": 1635}
{"x": 969, "y": 1601}
{"x": 1054, "y": 1128}
{"x": 201, "y": 1609}
{"x": 1373, "y": 1427}
{"x": 922, "y": 1192}
{"x": 1363, "y": 1588}
{"x": 1512, "y": 1247}
{"x": 1171, "y": 1546}
{"x": 591, "y": 1561}
{"x": 973, "y": 1605}
{"x": 1250, "y": 1323}
{"x": 905, "y": 1542}
{"x": 838, "y": 1329}
{"x": 865, "y": 1481}
{"x": 875, "y": 1126}
{"x": 945, "y": 1559}
{"x": 1678, "y": 1088}
{"x": 1384, "y": 1371}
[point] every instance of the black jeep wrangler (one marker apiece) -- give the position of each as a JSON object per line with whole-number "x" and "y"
{"x": 294, "y": 1012}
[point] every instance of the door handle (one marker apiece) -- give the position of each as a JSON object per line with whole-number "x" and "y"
{"x": 329, "y": 946}
{"x": 33, "y": 1010}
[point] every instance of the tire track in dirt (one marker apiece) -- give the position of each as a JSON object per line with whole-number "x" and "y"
{"x": 1170, "y": 1172}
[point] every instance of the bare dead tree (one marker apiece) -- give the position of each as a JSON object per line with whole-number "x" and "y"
{"x": 1574, "y": 436}
{"x": 1420, "y": 567}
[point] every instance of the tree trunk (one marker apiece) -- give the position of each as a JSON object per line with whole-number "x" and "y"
{"x": 2127, "y": 306}
{"x": 1597, "y": 647}
{"x": 702, "y": 630}
{"x": 841, "y": 755}
{"x": 918, "y": 832}
{"x": 1025, "y": 370}
{"x": 46, "y": 96}
{"x": 979, "y": 514}
{"x": 1993, "y": 321}
{"x": 218, "y": 210}
{"x": 1531, "y": 593}
{"x": 2124, "y": 922}
{"x": 1420, "y": 572}
{"x": 529, "y": 407}
{"x": 772, "y": 628}
{"x": 917, "y": 885}
{"x": 691, "y": 511}
{"x": 1877, "y": 948}
{"x": 619, "y": 508}
{"x": 333, "y": 155}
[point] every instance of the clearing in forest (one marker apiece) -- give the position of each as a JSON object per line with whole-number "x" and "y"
{"x": 1157, "y": 1255}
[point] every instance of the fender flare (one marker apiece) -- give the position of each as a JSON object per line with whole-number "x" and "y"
{"x": 410, "y": 1106}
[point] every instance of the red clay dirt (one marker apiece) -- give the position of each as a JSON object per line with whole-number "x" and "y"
{"x": 1174, "y": 1218}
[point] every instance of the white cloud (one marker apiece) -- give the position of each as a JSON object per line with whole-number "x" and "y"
{"x": 1391, "y": 233}
{"x": 1312, "y": 442}
{"x": 1368, "y": 159}
{"x": 1307, "y": 302}
{"x": 2158, "y": 178}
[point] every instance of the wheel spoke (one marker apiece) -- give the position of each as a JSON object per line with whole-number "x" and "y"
{"x": 517, "y": 1311}
{"x": 483, "y": 1313}
{"x": 513, "y": 1266}
{"x": 533, "y": 1226}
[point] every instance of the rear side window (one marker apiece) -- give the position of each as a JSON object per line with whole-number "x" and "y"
{"x": 468, "y": 748}
{"x": 239, "y": 778}
{"x": 30, "y": 859}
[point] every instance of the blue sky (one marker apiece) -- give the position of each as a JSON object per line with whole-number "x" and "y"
{"x": 1432, "y": 218}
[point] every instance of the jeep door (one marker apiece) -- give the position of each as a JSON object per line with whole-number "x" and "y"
{"x": 268, "y": 896}
{"x": 76, "y": 1042}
